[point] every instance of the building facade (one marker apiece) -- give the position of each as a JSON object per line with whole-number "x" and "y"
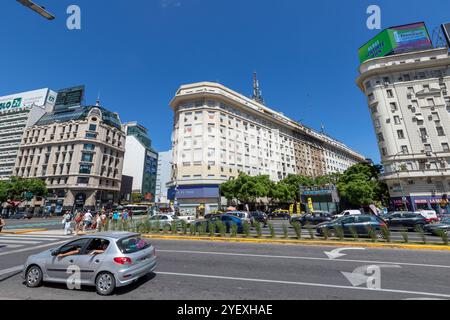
{"x": 219, "y": 133}
{"x": 409, "y": 103}
{"x": 163, "y": 176}
{"x": 79, "y": 153}
{"x": 17, "y": 112}
{"x": 141, "y": 160}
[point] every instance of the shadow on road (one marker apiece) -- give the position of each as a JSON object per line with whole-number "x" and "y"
{"x": 118, "y": 292}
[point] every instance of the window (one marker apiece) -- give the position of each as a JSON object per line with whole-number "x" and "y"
{"x": 400, "y": 134}
{"x": 76, "y": 245}
{"x": 380, "y": 137}
{"x": 90, "y": 135}
{"x": 405, "y": 149}
{"x": 92, "y": 127}
{"x": 423, "y": 133}
{"x": 397, "y": 120}
{"x": 386, "y": 80}
{"x": 393, "y": 106}
{"x": 431, "y": 102}
{"x": 428, "y": 148}
{"x": 85, "y": 168}
{"x": 440, "y": 131}
{"x": 406, "y": 77}
{"x": 87, "y": 157}
{"x": 445, "y": 147}
{"x": 368, "y": 85}
{"x": 88, "y": 147}
{"x": 390, "y": 94}
{"x": 371, "y": 97}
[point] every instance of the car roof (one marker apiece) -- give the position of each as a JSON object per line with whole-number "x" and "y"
{"x": 111, "y": 234}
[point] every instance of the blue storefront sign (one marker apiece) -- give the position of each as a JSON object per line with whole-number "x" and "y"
{"x": 194, "y": 192}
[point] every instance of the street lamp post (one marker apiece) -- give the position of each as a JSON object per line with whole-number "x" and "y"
{"x": 399, "y": 180}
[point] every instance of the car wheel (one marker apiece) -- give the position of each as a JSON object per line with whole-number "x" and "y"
{"x": 418, "y": 227}
{"x": 33, "y": 277}
{"x": 105, "y": 284}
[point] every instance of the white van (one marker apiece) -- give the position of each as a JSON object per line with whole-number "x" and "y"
{"x": 348, "y": 213}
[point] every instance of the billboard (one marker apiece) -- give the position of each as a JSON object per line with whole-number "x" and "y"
{"x": 69, "y": 98}
{"x": 40, "y": 98}
{"x": 395, "y": 40}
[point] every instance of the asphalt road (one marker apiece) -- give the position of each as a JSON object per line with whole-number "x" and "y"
{"x": 239, "y": 271}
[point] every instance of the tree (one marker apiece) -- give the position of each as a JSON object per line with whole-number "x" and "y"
{"x": 16, "y": 190}
{"x": 136, "y": 197}
{"x": 360, "y": 185}
{"x": 294, "y": 182}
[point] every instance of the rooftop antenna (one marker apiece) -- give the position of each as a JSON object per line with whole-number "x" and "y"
{"x": 257, "y": 94}
{"x": 97, "y": 102}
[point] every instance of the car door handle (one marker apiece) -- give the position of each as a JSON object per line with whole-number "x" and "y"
{"x": 71, "y": 261}
{"x": 97, "y": 261}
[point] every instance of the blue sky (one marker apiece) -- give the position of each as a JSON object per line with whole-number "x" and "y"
{"x": 136, "y": 53}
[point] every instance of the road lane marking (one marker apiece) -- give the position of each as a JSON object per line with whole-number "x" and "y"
{"x": 27, "y": 238}
{"x": 307, "y": 258}
{"x": 11, "y": 270}
{"x": 307, "y": 284}
{"x": 2, "y": 246}
{"x": 20, "y": 241}
{"x": 33, "y": 235}
{"x": 33, "y": 248}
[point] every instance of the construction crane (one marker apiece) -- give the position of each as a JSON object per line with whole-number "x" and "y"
{"x": 37, "y": 8}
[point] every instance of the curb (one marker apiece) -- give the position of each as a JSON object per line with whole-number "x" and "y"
{"x": 305, "y": 242}
{"x": 21, "y": 231}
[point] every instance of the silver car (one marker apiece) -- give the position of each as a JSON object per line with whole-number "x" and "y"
{"x": 105, "y": 260}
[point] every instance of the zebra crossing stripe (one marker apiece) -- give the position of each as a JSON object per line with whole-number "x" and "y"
{"x": 19, "y": 241}
{"x": 28, "y": 238}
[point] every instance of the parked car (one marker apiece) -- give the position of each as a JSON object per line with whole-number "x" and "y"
{"x": 408, "y": 220}
{"x": 312, "y": 219}
{"x": 165, "y": 220}
{"x": 213, "y": 214}
{"x": 22, "y": 215}
{"x": 279, "y": 213}
{"x": 348, "y": 213}
{"x": 245, "y": 216}
{"x": 435, "y": 228}
{"x": 188, "y": 219}
{"x": 108, "y": 260}
{"x": 361, "y": 224}
{"x": 227, "y": 219}
{"x": 259, "y": 217}
{"x": 430, "y": 215}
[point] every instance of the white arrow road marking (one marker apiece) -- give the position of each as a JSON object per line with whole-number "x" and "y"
{"x": 336, "y": 253}
{"x": 370, "y": 275}
{"x": 308, "y": 284}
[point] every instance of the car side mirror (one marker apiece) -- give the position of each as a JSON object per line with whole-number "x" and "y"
{"x": 55, "y": 252}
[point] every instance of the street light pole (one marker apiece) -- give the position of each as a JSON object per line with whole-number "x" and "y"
{"x": 399, "y": 180}
{"x": 439, "y": 161}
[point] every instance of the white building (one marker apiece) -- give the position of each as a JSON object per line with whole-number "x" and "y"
{"x": 140, "y": 160}
{"x": 17, "y": 112}
{"x": 409, "y": 103}
{"x": 163, "y": 176}
{"x": 219, "y": 133}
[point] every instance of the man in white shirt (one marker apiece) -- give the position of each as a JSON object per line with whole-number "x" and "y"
{"x": 87, "y": 219}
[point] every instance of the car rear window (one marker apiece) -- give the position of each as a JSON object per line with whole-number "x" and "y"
{"x": 132, "y": 244}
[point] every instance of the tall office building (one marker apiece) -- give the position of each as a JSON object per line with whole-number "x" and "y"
{"x": 409, "y": 103}
{"x": 17, "y": 112}
{"x": 141, "y": 160}
{"x": 163, "y": 176}
{"x": 219, "y": 133}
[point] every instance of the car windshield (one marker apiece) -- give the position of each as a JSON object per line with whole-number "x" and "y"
{"x": 132, "y": 244}
{"x": 446, "y": 220}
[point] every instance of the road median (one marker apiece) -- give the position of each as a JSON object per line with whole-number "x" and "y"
{"x": 304, "y": 242}
{"x": 21, "y": 231}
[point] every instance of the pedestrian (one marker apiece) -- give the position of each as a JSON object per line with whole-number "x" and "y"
{"x": 78, "y": 221}
{"x": 98, "y": 222}
{"x": 130, "y": 213}
{"x": 87, "y": 219}
{"x": 125, "y": 215}
{"x": 67, "y": 221}
{"x": 115, "y": 217}
{"x": 2, "y": 223}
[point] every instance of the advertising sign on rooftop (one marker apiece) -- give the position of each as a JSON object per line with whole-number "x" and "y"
{"x": 69, "y": 98}
{"x": 39, "y": 98}
{"x": 446, "y": 30}
{"x": 396, "y": 40}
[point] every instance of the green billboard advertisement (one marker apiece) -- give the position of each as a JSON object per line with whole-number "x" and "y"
{"x": 395, "y": 40}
